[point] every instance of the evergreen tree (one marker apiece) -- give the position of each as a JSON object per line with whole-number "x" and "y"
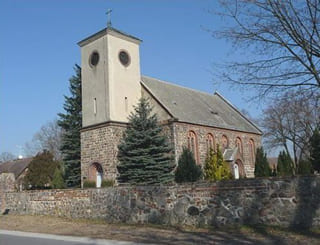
{"x": 305, "y": 167}
{"x": 187, "y": 170}
{"x": 144, "y": 153}
{"x": 71, "y": 122}
{"x": 57, "y": 181}
{"x": 215, "y": 167}
{"x": 41, "y": 171}
{"x": 315, "y": 150}
{"x": 285, "y": 165}
{"x": 262, "y": 168}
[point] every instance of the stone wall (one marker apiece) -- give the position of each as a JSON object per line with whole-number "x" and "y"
{"x": 285, "y": 202}
{"x": 100, "y": 145}
{"x": 7, "y": 184}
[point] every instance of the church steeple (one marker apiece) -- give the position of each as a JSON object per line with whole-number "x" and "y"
{"x": 110, "y": 76}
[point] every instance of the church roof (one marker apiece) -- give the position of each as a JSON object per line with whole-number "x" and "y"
{"x": 16, "y": 167}
{"x": 104, "y": 32}
{"x": 191, "y": 106}
{"x": 229, "y": 154}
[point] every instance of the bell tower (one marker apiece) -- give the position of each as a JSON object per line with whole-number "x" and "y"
{"x": 110, "y": 88}
{"x": 110, "y": 76}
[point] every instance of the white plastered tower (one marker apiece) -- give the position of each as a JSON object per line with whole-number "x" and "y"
{"x": 111, "y": 77}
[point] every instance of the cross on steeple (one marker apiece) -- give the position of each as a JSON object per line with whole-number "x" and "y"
{"x": 108, "y": 13}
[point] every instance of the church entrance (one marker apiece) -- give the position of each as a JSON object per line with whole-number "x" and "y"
{"x": 238, "y": 169}
{"x": 96, "y": 174}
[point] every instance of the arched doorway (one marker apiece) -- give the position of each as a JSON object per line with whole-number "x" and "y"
{"x": 96, "y": 173}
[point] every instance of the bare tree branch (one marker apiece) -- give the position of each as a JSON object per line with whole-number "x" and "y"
{"x": 283, "y": 39}
{"x": 290, "y": 122}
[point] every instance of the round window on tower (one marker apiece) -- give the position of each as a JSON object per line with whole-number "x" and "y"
{"x": 94, "y": 59}
{"x": 124, "y": 58}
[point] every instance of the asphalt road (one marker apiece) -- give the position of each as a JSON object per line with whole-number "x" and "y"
{"x": 26, "y": 238}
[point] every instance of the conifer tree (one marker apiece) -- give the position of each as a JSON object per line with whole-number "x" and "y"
{"x": 215, "y": 167}
{"x": 144, "y": 153}
{"x": 262, "y": 168}
{"x": 41, "y": 171}
{"x": 305, "y": 167}
{"x": 58, "y": 181}
{"x": 71, "y": 122}
{"x": 285, "y": 165}
{"x": 187, "y": 170}
{"x": 315, "y": 150}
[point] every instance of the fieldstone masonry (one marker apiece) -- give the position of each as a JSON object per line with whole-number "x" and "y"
{"x": 100, "y": 144}
{"x": 7, "y": 184}
{"x": 272, "y": 201}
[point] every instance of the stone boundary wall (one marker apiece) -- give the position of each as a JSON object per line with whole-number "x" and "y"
{"x": 271, "y": 201}
{"x": 7, "y": 184}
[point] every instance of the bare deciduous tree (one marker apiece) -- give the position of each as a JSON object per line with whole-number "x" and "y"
{"x": 290, "y": 123}
{"x": 47, "y": 138}
{"x": 281, "y": 39}
{"x": 6, "y": 156}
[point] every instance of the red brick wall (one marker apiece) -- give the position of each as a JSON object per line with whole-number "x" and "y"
{"x": 181, "y": 132}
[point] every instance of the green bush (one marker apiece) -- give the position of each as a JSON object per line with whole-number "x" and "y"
{"x": 107, "y": 183}
{"x": 262, "y": 168}
{"x": 187, "y": 170}
{"x": 41, "y": 171}
{"x": 57, "y": 181}
{"x": 215, "y": 167}
{"x": 89, "y": 184}
{"x": 305, "y": 167}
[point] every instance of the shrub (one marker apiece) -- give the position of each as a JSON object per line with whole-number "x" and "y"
{"x": 187, "y": 170}
{"x": 315, "y": 150}
{"x": 285, "y": 165}
{"x": 215, "y": 167}
{"x": 57, "y": 181}
{"x": 305, "y": 167}
{"x": 89, "y": 184}
{"x": 262, "y": 168}
{"x": 41, "y": 171}
{"x": 107, "y": 183}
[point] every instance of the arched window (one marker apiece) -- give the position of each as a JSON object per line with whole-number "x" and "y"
{"x": 96, "y": 173}
{"x": 210, "y": 142}
{"x": 224, "y": 143}
{"x": 193, "y": 144}
{"x": 239, "y": 144}
{"x": 252, "y": 150}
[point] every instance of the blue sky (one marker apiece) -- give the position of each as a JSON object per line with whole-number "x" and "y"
{"x": 38, "y": 49}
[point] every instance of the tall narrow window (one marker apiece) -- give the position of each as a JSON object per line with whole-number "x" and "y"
{"x": 193, "y": 144}
{"x": 239, "y": 144}
{"x": 224, "y": 143}
{"x": 95, "y": 105}
{"x": 210, "y": 142}
{"x": 126, "y": 104}
{"x": 252, "y": 151}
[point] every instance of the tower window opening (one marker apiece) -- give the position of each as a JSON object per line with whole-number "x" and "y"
{"x": 126, "y": 104}
{"x": 95, "y": 106}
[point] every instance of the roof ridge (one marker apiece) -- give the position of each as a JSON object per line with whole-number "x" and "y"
{"x": 180, "y": 86}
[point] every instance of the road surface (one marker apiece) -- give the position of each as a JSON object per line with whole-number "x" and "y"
{"x": 26, "y": 238}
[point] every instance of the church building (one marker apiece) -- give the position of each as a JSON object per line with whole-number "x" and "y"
{"x": 112, "y": 84}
